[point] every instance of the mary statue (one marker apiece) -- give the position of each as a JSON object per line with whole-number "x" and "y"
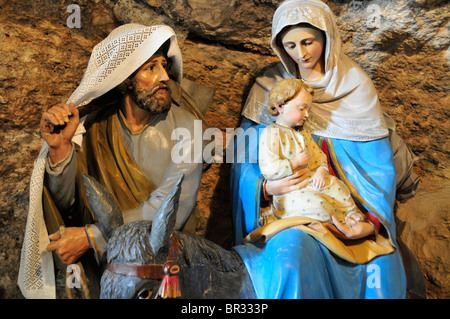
{"x": 299, "y": 258}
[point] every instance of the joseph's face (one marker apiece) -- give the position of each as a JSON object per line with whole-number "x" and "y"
{"x": 150, "y": 91}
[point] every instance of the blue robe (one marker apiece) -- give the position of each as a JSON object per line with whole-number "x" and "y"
{"x": 293, "y": 264}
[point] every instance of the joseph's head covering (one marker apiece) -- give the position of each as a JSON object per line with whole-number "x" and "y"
{"x": 121, "y": 53}
{"x": 112, "y": 61}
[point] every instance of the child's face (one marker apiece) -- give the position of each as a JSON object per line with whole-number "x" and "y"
{"x": 305, "y": 46}
{"x": 296, "y": 111}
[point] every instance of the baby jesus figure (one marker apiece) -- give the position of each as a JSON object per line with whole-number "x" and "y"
{"x": 285, "y": 147}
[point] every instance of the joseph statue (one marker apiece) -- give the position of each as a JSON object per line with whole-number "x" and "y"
{"x": 133, "y": 79}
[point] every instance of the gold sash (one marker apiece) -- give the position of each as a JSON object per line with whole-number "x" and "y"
{"x": 105, "y": 157}
{"x": 357, "y": 251}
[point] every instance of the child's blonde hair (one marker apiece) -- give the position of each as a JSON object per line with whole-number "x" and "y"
{"x": 284, "y": 91}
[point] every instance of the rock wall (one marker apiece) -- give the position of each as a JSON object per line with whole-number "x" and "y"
{"x": 403, "y": 46}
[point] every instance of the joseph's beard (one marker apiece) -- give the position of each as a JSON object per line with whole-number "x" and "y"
{"x": 151, "y": 99}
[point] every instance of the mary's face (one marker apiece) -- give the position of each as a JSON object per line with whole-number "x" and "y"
{"x": 305, "y": 46}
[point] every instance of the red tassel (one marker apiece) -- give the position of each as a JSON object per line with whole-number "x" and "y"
{"x": 170, "y": 286}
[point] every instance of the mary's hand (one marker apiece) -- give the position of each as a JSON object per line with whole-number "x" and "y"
{"x": 354, "y": 229}
{"x": 288, "y": 184}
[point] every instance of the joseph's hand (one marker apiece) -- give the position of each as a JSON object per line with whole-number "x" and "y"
{"x": 71, "y": 246}
{"x": 60, "y": 143}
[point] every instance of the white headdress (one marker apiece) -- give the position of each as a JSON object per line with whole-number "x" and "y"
{"x": 120, "y": 54}
{"x": 112, "y": 61}
{"x": 315, "y": 13}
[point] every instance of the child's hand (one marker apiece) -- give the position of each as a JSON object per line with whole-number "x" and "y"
{"x": 301, "y": 160}
{"x": 357, "y": 216}
{"x": 319, "y": 178}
